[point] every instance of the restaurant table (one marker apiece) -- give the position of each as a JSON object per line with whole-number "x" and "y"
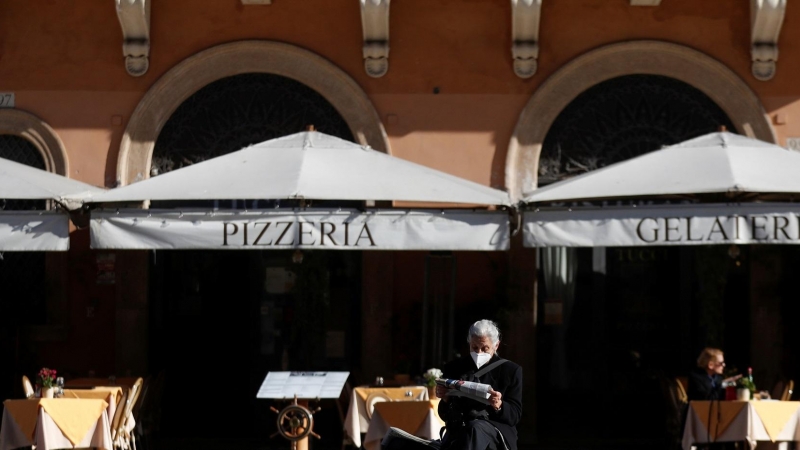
{"x": 357, "y": 419}
{"x": 55, "y": 423}
{"x": 420, "y": 418}
{"x": 754, "y": 421}
{"x": 111, "y": 394}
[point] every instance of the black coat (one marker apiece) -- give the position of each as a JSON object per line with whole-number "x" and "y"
{"x": 506, "y": 378}
{"x": 700, "y": 386}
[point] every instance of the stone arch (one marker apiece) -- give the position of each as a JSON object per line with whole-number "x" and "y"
{"x": 701, "y": 71}
{"x": 40, "y": 134}
{"x": 207, "y": 66}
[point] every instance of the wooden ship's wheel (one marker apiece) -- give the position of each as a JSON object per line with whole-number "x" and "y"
{"x": 295, "y": 423}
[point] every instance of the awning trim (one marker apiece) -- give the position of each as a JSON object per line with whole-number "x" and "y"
{"x": 330, "y": 229}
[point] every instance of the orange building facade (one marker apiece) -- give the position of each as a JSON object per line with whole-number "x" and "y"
{"x": 484, "y": 90}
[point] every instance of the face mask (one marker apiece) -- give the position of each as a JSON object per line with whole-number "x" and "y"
{"x": 480, "y": 358}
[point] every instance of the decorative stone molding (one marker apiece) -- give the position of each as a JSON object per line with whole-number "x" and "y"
{"x": 766, "y": 19}
{"x": 38, "y": 133}
{"x": 134, "y": 18}
{"x": 375, "y": 24}
{"x": 645, "y": 2}
{"x": 207, "y": 66}
{"x": 525, "y": 16}
{"x": 708, "y": 75}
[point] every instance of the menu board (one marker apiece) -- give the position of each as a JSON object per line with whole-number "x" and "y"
{"x": 307, "y": 385}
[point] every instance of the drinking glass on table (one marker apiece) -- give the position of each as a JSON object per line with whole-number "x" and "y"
{"x": 59, "y": 387}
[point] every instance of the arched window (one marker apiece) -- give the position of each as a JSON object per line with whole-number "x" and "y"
{"x": 22, "y": 273}
{"x": 622, "y": 118}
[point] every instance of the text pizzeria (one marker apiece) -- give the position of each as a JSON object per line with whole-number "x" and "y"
{"x": 290, "y": 233}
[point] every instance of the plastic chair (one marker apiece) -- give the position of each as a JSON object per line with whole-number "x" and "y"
{"x": 788, "y": 390}
{"x": 27, "y": 387}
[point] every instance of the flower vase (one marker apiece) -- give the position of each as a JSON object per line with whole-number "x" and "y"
{"x": 48, "y": 392}
{"x": 743, "y": 394}
{"x": 432, "y": 392}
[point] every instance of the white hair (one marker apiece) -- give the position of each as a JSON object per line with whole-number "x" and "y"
{"x": 484, "y": 328}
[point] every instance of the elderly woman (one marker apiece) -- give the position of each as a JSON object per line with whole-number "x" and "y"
{"x": 472, "y": 425}
{"x": 706, "y": 381}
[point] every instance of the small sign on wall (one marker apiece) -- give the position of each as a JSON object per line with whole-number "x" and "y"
{"x": 6, "y": 99}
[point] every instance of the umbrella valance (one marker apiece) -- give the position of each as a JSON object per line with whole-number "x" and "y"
{"x": 308, "y": 165}
{"x": 309, "y": 228}
{"x": 30, "y": 231}
{"x": 714, "y": 163}
{"x": 38, "y": 230}
{"x": 663, "y": 225}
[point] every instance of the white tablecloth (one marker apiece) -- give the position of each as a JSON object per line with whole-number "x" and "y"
{"x": 48, "y": 436}
{"x": 746, "y": 425}
{"x": 357, "y": 419}
{"x": 378, "y": 426}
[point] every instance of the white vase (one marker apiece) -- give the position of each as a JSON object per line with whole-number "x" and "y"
{"x": 48, "y": 392}
{"x": 743, "y": 394}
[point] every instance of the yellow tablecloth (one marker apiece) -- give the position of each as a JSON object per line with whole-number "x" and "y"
{"x": 74, "y": 417}
{"x": 420, "y": 418}
{"x": 733, "y": 421}
{"x": 357, "y": 419}
{"x": 111, "y": 394}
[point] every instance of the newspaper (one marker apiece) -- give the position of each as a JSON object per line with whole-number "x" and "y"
{"x": 468, "y": 389}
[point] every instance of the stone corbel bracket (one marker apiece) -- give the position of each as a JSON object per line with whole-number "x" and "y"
{"x": 525, "y": 16}
{"x": 766, "y": 20}
{"x": 134, "y": 18}
{"x": 375, "y": 24}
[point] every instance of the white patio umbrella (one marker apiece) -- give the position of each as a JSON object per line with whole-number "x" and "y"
{"x": 717, "y": 163}
{"x": 312, "y": 166}
{"x": 308, "y": 165}
{"x": 38, "y": 230}
{"x": 720, "y": 162}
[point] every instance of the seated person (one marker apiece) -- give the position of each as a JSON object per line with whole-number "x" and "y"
{"x": 470, "y": 424}
{"x": 705, "y": 381}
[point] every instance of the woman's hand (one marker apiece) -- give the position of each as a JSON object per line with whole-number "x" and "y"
{"x": 495, "y": 399}
{"x": 732, "y": 379}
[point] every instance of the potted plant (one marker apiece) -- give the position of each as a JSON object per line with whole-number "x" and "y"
{"x": 745, "y": 389}
{"x": 430, "y": 380}
{"x": 46, "y": 379}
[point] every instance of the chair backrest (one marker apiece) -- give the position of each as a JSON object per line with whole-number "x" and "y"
{"x": 788, "y": 391}
{"x": 682, "y": 395}
{"x": 133, "y": 398}
{"x": 27, "y": 387}
{"x": 119, "y": 414}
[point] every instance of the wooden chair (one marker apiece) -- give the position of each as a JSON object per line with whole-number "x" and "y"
{"x": 27, "y": 387}
{"x": 788, "y": 390}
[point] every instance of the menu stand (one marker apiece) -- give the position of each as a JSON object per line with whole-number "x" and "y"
{"x": 296, "y": 421}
